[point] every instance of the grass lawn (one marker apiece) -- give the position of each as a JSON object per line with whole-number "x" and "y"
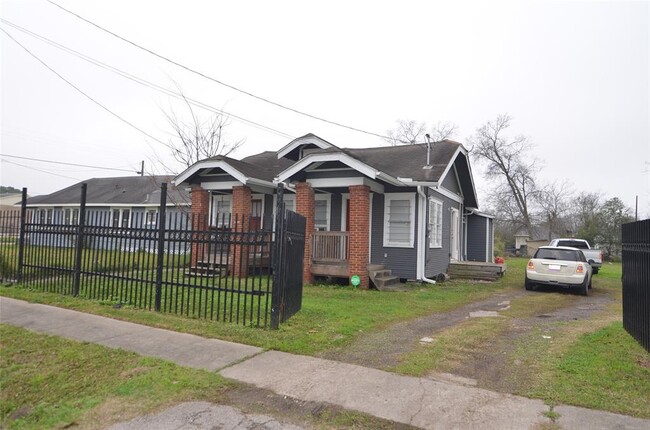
{"x": 591, "y": 363}
{"x": 50, "y": 382}
{"x": 330, "y": 317}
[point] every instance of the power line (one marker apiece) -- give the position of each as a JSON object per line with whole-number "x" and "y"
{"x": 68, "y": 164}
{"x": 232, "y": 87}
{"x": 82, "y": 92}
{"x": 142, "y": 81}
{"x": 39, "y": 170}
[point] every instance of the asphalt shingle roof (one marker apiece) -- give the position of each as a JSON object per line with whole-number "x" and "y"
{"x": 133, "y": 190}
{"x": 408, "y": 161}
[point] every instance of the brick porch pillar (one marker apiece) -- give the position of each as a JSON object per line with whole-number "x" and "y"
{"x": 359, "y": 231}
{"x": 240, "y": 223}
{"x": 305, "y": 206}
{"x": 200, "y": 214}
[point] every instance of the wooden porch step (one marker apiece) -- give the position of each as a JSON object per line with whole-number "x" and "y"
{"x": 205, "y": 271}
{"x": 476, "y": 270}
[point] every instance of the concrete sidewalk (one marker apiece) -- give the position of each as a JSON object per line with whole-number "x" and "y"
{"x": 420, "y": 402}
{"x": 180, "y": 348}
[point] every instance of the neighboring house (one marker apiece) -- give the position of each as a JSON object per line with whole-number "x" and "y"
{"x": 8, "y": 201}
{"x": 364, "y": 207}
{"x": 9, "y": 214}
{"x": 121, "y": 202}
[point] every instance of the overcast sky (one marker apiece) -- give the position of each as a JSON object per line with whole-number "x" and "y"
{"x": 573, "y": 75}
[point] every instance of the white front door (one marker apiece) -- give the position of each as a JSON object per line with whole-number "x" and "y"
{"x": 454, "y": 247}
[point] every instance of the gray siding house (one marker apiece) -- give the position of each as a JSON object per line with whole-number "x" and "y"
{"x": 120, "y": 202}
{"x": 371, "y": 212}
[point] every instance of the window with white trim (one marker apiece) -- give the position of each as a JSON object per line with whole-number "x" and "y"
{"x": 435, "y": 223}
{"x": 220, "y": 210}
{"x": 121, "y": 218}
{"x": 290, "y": 202}
{"x": 150, "y": 218}
{"x": 399, "y": 219}
{"x": 70, "y": 216}
{"x": 322, "y": 212}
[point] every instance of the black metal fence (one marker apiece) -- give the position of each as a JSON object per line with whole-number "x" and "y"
{"x": 172, "y": 262}
{"x": 636, "y": 281}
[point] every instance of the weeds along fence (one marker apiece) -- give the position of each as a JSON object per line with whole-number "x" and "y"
{"x": 174, "y": 262}
{"x": 636, "y": 281}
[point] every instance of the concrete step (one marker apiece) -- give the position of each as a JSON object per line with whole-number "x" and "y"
{"x": 384, "y": 283}
{"x": 375, "y": 273}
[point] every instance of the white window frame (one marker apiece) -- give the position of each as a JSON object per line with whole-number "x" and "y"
{"x": 120, "y": 217}
{"x": 70, "y": 216}
{"x": 290, "y": 202}
{"x": 436, "y": 211}
{"x": 399, "y": 196}
{"x": 150, "y": 217}
{"x": 328, "y": 208}
{"x": 213, "y": 199}
{"x": 344, "y": 200}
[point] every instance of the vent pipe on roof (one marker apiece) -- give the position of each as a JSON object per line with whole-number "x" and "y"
{"x": 428, "y": 148}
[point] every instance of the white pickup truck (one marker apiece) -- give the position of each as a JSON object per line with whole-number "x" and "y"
{"x": 594, "y": 256}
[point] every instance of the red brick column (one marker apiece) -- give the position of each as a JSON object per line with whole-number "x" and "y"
{"x": 359, "y": 232}
{"x": 200, "y": 213}
{"x": 240, "y": 222}
{"x": 305, "y": 207}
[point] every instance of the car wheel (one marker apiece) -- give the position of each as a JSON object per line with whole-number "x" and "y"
{"x": 595, "y": 270}
{"x": 584, "y": 288}
{"x": 529, "y": 285}
{"x": 590, "y": 280}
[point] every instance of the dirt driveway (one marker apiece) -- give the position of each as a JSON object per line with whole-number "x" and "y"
{"x": 491, "y": 364}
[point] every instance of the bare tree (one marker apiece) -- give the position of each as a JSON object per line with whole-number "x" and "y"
{"x": 509, "y": 162}
{"x": 198, "y": 138}
{"x": 443, "y": 130}
{"x": 554, "y": 204}
{"x": 409, "y": 132}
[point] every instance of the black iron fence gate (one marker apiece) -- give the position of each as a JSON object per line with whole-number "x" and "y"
{"x": 230, "y": 270}
{"x": 636, "y": 281}
{"x": 290, "y": 241}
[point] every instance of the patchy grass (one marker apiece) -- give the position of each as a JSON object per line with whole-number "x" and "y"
{"x": 452, "y": 346}
{"x": 591, "y": 362}
{"x": 50, "y": 382}
{"x": 605, "y": 369}
{"x": 331, "y": 316}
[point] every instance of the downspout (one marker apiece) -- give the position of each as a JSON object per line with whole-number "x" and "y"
{"x": 422, "y": 237}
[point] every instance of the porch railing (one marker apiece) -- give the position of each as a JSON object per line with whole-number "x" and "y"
{"x": 330, "y": 246}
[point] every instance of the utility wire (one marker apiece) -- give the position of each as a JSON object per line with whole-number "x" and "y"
{"x": 203, "y": 75}
{"x": 83, "y": 93}
{"x": 39, "y": 170}
{"x": 68, "y": 164}
{"x": 142, "y": 81}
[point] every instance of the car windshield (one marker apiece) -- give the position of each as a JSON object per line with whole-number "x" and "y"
{"x": 573, "y": 244}
{"x": 557, "y": 254}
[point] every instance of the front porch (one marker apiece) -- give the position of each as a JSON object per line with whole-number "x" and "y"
{"x": 330, "y": 253}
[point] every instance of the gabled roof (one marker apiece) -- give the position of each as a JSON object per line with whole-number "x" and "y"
{"x": 403, "y": 165}
{"x": 119, "y": 191}
{"x": 258, "y": 169}
{"x": 309, "y": 141}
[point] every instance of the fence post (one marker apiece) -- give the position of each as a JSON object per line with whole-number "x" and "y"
{"x": 21, "y": 237}
{"x": 80, "y": 241}
{"x": 276, "y": 291}
{"x": 162, "y": 221}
